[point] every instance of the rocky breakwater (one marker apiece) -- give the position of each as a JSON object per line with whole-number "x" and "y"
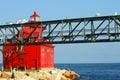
{"x": 42, "y": 74}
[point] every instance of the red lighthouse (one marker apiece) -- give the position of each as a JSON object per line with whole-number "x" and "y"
{"x": 29, "y": 56}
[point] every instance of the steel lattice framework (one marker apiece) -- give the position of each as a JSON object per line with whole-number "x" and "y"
{"x": 79, "y": 30}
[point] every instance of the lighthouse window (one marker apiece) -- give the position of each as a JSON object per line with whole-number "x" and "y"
{"x": 37, "y": 18}
{"x": 43, "y": 49}
{"x": 32, "y": 18}
{"x": 48, "y": 50}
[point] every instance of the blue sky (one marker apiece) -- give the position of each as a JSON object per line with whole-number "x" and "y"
{"x": 14, "y": 10}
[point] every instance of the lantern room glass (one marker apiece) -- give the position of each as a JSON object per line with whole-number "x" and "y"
{"x": 37, "y": 18}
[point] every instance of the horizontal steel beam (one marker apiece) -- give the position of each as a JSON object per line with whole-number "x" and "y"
{"x": 99, "y": 18}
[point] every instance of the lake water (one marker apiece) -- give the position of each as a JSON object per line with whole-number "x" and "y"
{"x": 96, "y": 71}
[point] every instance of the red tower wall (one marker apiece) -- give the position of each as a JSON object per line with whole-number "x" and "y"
{"x": 33, "y": 56}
